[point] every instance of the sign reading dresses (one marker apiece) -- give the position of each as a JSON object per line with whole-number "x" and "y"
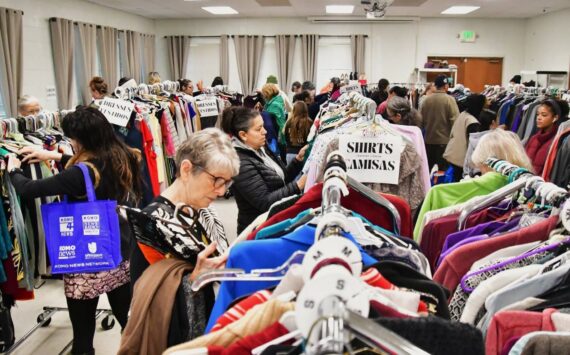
{"x": 117, "y": 111}
{"x": 353, "y": 87}
{"x": 372, "y": 159}
{"x": 208, "y": 108}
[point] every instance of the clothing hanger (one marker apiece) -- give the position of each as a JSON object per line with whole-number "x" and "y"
{"x": 540, "y": 249}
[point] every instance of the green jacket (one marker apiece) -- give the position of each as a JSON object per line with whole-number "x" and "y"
{"x": 441, "y": 196}
{"x": 276, "y": 107}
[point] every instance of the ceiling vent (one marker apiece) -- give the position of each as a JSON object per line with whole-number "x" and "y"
{"x": 353, "y": 19}
{"x": 271, "y": 3}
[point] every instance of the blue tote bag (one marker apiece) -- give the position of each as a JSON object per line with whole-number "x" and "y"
{"x": 82, "y": 236}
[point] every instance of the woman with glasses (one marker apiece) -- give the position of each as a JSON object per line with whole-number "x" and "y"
{"x": 205, "y": 165}
{"x": 263, "y": 179}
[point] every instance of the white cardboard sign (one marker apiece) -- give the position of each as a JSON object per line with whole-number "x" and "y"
{"x": 207, "y": 107}
{"x": 349, "y": 88}
{"x": 372, "y": 159}
{"x": 117, "y": 111}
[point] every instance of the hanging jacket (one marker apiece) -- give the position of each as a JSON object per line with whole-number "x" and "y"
{"x": 538, "y": 146}
{"x": 258, "y": 186}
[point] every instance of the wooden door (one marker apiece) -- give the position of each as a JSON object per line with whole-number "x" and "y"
{"x": 475, "y": 72}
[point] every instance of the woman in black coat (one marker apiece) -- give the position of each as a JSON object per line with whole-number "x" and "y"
{"x": 263, "y": 179}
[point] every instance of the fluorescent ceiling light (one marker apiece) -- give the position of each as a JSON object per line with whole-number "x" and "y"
{"x": 460, "y": 10}
{"x": 340, "y": 9}
{"x": 220, "y": 10}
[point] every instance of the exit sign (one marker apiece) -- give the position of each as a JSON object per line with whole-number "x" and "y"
{"x": 467, "y": 36}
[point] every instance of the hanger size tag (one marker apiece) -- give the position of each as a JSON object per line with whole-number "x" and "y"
{"x": 565, "y": 215}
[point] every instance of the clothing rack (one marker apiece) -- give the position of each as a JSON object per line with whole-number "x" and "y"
{"x": 334, "y": 316}
{"x": 147, "y": 89}
{"x": 521, "y": 178}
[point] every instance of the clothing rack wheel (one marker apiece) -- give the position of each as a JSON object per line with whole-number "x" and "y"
{"x": 44, "y": 320}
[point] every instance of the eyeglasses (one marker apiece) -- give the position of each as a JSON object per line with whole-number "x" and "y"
{"x": 218, "y": 181}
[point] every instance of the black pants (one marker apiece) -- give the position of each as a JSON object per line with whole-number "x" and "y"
{"x": 82, "y": 315}
{"x": 435, "y": 156}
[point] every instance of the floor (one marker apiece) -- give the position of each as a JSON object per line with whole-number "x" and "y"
{"x": 53, "y": 339}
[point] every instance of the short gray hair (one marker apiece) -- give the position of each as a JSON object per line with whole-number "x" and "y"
{"x": 503, "y": 145}
{"x": 209, "y": 148}
{"x": 27, "y": 100}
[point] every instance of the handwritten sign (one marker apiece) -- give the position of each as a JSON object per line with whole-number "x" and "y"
{"x": 208, "y": 108}
{"x": 349, "y": 88}
{"x": 372, "y": 159}
{"x": 117, "y": 111}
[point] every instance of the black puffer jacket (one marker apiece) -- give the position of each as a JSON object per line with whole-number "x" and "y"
{"x": 258, "y": 186}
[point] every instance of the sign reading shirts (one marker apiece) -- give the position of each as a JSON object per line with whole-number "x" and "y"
{"x": 372, "y": 159}
{"x": 117, "y": 111}
{"x": 352, "y": 87}
{"x": 208, "y": 108}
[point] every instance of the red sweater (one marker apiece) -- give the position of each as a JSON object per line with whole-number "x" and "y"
{"x": 538, "y": 146}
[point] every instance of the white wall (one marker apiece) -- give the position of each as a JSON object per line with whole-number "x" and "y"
{"x": 548, "y": 42}
{"x": 38, "y": 60}
{"x": 393, "y": 50}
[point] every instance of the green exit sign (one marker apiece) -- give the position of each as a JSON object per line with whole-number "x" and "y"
{"x": 468, "y": 36}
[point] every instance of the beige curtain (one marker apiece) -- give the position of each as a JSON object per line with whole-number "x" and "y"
{"x": 62, "y": 42}
{"x": 132, "y": 55}
{"x": 108, "y": 42}
{"x": 148, "y": 53}
{"x": 285, "y": 46}
{"x": 248, "y": 53}
{"x": 357, "y": 45}
{"x": 178, "y": 48}
{"x": 10, "y": 59}
{"x": 310, "y": 51}
{"x": 224, "y": 58}
{"x": 88, "y": 48}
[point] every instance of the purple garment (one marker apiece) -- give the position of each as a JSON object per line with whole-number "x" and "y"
{"x": 474, "y": 234}
{"x": 518, "y": 118}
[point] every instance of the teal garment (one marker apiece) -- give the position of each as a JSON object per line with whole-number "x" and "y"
{"x": 280, "y": 227}
{"x": 276, "y": 107}
{"x": 5, "y": 241}
{"x": 441, "y": 196}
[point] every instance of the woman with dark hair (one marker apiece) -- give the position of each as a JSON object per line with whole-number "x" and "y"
{"x": 381, "y": 93}
{"x": 263, "y": 179}
{"x": 548, "y": 117}
{"x": 217, "y": 81}
{"x": 464, "y": 124}
{"x": 297, "y": 129}
{"x": 393, "y": 92}
{"x": 114, "y": 169}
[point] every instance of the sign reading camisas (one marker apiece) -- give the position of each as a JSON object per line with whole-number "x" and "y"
{"x": 372, "y": 159}
{"x": 117, "y": 111}
{"x": 207, "y": 107}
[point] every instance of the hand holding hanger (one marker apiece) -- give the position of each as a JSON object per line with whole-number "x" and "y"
{"x": 204, "y": 263}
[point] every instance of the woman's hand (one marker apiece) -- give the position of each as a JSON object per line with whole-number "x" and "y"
{"x": 301, "y": 155}
{"x": 204, "y": 263}
{"x": 301, "y": 182}
{"x": 34, "y": 155}
{"x": 13, "y": 163}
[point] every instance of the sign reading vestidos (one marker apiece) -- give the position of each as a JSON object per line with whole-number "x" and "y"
{"x": 208, "y": 107}
{"x": 372, "y": 159}
{"x": 117, "y": 111}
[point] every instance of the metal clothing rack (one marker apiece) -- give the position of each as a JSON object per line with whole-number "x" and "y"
{"x": 44, "y": 320}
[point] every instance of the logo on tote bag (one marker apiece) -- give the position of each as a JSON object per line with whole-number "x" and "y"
{"x": 66, "y": 226}
{"x": 91, "y": 224}
{"x": 92, "y": 247}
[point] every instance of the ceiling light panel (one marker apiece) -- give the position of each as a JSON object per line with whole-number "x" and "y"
{"x": 220, "y": 10}
{"x": 460, "y": 10}
{"x": 340, "y": 9}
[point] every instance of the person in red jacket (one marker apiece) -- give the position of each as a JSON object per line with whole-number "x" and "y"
{"x": 547, "y": 120}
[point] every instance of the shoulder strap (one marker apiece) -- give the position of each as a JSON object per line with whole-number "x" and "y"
{"x": 88, "y": 183}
